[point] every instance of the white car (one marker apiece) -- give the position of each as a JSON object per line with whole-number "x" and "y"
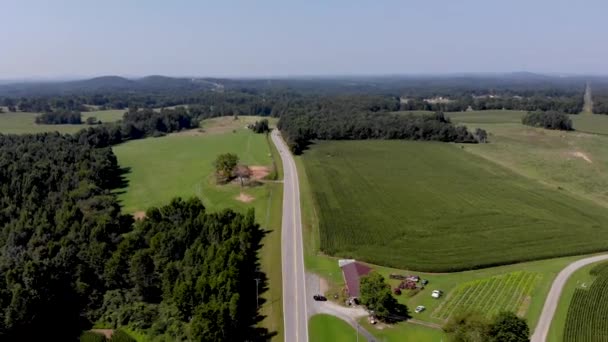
{"x": 420, "y": 308}
{"x": 436, "y": 294}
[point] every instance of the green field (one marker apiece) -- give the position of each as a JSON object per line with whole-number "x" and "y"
{"x": 489, "y": 296}
{"x": 436, "y": 207}
{"x": 182, "y": 165}
{"x": 331, "y": 329}
{"x": 19, "y": 123}
{"x": 404, "y": 332}
{"x": 588, "y": 309}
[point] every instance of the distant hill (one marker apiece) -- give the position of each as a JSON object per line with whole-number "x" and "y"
{"x": 104, "y": 84}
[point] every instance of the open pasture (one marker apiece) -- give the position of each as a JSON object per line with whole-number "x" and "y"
{"x": 437, "y": 207}
{"x": 181, "y": 164}
{"x": 21, "y": 123}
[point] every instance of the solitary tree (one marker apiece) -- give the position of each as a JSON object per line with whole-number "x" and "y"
{"x": 224, "y": 166}
{"x": 507, "y": 327}
{"x": 467, "y": 326}
{"x": 377, "y": 297}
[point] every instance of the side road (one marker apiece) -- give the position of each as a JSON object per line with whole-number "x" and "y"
{"x": 544, "y": 322}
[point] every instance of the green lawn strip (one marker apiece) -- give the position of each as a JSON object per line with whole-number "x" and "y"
{"x": 404, "y": 331}
{"x": 329, "y": 328}
{"x": 136, "y": 334}
{"x": 577, "y": 280}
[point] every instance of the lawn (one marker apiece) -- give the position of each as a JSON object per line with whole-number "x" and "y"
{"x": 329, "y": 328}
{"x": 404, "y": 332}
{"x": 436, "y": 207}
{"x": 20, "y": 122}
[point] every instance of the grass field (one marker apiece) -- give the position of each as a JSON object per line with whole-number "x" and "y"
{"x": 19, "y": 123}
{"x": 440, "y": 208}
{"x": 588, "y": 309}
{"x": 489, "y": 296}
{"x": 182, "y": 165}
{"x": 331, "y": 329}
{"x": 405, "y": 332}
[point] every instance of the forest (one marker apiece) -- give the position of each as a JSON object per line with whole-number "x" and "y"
{"x": 549, "y": 120}
{"x": 361, "y": 118}
{"x": 69, "y": 258}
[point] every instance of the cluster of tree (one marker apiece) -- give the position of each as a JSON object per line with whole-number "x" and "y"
{"x": 59, "y": 118}
{"x": 567, "y": 104}
{"x": 377, "y": 297}
{"x": 473, "y": 327}
{"x": 327, "y": 124}
{"x": 549, "y": 120}
{"x": 69, "y": 258}
{"x": 137, "y": 124}
{"x": 600, "y": 104}
{"x": 227, "y": 168}
{"x": 260, "y": 126}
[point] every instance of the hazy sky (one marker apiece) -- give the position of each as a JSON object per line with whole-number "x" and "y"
{"x": 50, "y": 38}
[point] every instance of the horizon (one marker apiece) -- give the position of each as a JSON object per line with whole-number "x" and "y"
{"x": 61, "y": 40}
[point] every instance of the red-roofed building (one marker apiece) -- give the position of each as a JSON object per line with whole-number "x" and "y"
{"x": 352, "y": 272}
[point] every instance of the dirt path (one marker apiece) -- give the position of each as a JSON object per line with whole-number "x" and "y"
{"x": 544, "y": 322}
{"x": 588, "y": 106}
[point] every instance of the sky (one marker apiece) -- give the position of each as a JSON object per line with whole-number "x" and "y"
{"x": 258, "y": 38}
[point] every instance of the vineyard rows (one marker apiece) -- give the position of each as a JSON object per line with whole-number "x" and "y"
{"x": 587, "y": 319}
{"x": 490, "y": 296}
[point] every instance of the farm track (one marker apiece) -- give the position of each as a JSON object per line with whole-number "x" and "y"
{"x": 588, "y": 105}
{"x": 544, "y": 322}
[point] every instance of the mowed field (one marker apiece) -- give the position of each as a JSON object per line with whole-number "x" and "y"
{"x": 329, "y": 328}
{"x": 438, "y": 207}
{"x": 181, "y": 164}
{"x": 20, "y": 122}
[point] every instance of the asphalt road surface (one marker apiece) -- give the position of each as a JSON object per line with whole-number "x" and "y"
{"x": 542, "y": 328}
{"x": 292, "y": 253}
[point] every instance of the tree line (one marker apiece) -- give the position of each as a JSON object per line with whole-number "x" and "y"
{"x": 366, "y": 118}
{"x": 137, "y": 124}
{"x": 60, "y": 118}
{"x": 548, "y": 120}
{"x": 70, "y": 259}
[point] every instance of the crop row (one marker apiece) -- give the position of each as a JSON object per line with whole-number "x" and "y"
{"x": 490, "y": 295}
{"x": 586, "y": 319}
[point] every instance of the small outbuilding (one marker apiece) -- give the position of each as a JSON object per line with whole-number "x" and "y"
{"x": 352, "y": 271}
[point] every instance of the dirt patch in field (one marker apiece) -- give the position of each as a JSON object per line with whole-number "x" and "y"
{"x": 139, "y": 215}
{"x": 523, "y": 308}
{"x": 243, "y": 197}
{"x": 581, "y": 155}
{"x": 259, "y": 172}
{"x": 189, "y": 132}
{"x": 105, "y": 332}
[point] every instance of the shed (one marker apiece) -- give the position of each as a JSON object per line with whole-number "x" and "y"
{"x": 352, "y": 273}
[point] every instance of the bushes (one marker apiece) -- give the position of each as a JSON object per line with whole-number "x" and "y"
{"x": 549, "y": 120}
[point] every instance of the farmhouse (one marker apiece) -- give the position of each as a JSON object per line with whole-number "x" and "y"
{"x": 352, "y": 271}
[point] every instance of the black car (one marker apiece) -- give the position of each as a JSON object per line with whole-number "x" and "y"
{"x": 424, "y": 282}
{"x": 319, "y": 298}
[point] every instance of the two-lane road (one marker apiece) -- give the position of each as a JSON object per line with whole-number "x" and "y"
{"x": 292, "y": 253}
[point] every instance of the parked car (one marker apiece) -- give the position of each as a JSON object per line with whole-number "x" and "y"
{"x": 319, "y": 298}
{"x": 420, "y": 308}
{"x": 424, "y": 281}
{"x": 436, "y": 293}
